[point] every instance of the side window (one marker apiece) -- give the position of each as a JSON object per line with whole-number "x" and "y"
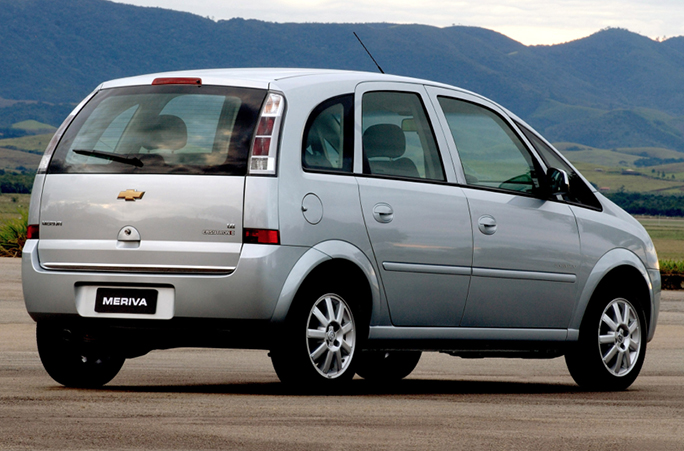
{"x": 397, "y": 137}
{"x": 492, "y": 155}
{"x": 579, "y": 193}
{"x": 328, "y": 136}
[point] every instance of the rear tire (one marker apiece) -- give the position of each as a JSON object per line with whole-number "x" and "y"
{"x": 378, "y": 366}
{"x": 612, "y": 344}
{"x": 321, "y": 339}
{"x": 71, "y": 360}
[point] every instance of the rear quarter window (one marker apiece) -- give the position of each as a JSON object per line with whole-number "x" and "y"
{"x": 328, "y": 144}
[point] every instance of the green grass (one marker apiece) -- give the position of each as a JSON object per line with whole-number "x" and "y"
{"x": 13, "y": 223}
{"x": 13, "y": 234}
{"x": 655, "y": 152}
{"x": 11, "y": 205}
{"x": 602, "y": 158}
{"x": 608, "y": 168}
{"x": 667, "y": 235}
{"x": 643, "y": 180}
{"x": 33, "y": 143}
{"x": 32, "y": 125}
{"x": 672, "y": 266}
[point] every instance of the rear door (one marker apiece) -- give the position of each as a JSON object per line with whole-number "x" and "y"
{"x": 150, "y": 179}
{"x": 418, "y": 224}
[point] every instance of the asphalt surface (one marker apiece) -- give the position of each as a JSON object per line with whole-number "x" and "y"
{"x": 228, "y": 399}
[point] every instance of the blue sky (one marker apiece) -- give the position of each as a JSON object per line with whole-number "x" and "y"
{"x": 528, "y": 21}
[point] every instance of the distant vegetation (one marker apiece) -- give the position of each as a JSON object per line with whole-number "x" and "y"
{"x": 16, "y": 183}
{"x": 30, "y": 114}
{"x": 649, "y": 204}
{"x": 612, "y": 89}
{"x": 13, "y": 223}
{"x": 652, "y": 161}
{"x": 31, "y": 143}
{"x": 13, "y": 235}
{"x": 630, "y": 129}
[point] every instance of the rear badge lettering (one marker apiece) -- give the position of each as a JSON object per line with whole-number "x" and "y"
{"x": 51, "y": 223}
{"x": 218, "y": 232}
{"x": 126, "y": 300}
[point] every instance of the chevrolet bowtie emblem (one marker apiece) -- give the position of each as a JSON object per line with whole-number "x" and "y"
{"x": 131, "y": 195}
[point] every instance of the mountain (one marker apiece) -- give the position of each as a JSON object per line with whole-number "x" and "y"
{"x": 613, "y": 88}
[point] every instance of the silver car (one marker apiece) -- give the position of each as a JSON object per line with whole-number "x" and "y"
{"x": 344, "y": 221}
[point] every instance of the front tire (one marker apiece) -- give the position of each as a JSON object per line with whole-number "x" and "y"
{"x": 379, "y": 366}
{"x": 320, "y": 340}
{"x": 611, "y": 347}
{"x": 72, "y": 360}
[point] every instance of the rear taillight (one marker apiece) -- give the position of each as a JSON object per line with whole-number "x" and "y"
{"x": 177, "y": 81}
{"x": 262, "y": 236}
{"x": 33, "y": 232}
{"x": 264, "y": 150}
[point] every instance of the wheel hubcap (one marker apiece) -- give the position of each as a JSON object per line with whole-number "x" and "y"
{"x": 619, "y": 337}
{"x": 331, "y": 336}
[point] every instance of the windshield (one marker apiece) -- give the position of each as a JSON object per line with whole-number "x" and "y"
{"x": 162, "y": 129}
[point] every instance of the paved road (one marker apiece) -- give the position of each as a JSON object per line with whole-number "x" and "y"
{"x": 225, "y": 399}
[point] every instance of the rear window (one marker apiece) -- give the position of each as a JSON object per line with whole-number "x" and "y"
{"x": 161, "y": 130}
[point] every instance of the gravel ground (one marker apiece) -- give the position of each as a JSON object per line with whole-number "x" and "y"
{"x": 231, "y": 399}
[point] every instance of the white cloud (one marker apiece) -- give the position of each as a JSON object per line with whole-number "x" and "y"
{"x": 528, "y": 21}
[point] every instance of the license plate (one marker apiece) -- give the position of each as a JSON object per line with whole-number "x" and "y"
{"x": 126, "y": 300}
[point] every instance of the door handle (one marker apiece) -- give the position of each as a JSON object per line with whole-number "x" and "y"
{"x": 383, "y": 213}
{"x": 487, "y": 224}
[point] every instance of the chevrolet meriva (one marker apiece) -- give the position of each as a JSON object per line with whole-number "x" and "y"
{"x": 344, "y": 221}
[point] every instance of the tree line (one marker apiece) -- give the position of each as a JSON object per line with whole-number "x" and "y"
{"x": 16, "y": 183}
{"x": 649, "y": 204}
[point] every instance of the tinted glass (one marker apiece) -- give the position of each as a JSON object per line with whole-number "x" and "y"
{"x": 162, "y": 129}
{"x": 579, "y": 192}
{"x": 328, "y": 143}
{"x": 492, "y": 155}
{"x": 397, "y": 137}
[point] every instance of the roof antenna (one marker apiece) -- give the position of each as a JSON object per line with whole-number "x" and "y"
{"x": 369, "y": 53}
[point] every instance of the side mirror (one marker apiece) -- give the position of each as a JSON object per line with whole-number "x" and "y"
{"x": 558, "y": 181}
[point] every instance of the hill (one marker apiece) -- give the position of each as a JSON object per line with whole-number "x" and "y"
{"x": 612, "y": 89}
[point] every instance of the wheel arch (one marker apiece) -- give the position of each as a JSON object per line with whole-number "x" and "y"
{"x": 618, "y": 266}
{"x": 332, "y": 256}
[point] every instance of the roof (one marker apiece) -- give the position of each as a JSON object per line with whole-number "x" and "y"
{"x": 263, "y": 77}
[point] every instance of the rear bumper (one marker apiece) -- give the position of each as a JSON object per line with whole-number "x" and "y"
{"x": 251, "y": 292}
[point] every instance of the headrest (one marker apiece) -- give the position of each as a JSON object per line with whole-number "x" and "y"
{"x": 384, "y": 140}
{"x": 166, "y": 132}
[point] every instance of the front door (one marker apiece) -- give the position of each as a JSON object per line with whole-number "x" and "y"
{"x": 526, "y": 246}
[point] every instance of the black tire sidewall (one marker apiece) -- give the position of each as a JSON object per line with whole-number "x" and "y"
{"x": 379, "y": 366}
{"x": 584, "y": 360}
{"x": 61, "y": 358}
{"x": 291, "y": 358}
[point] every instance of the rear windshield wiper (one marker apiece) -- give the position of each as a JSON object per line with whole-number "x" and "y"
{"x": 134, "y": 161}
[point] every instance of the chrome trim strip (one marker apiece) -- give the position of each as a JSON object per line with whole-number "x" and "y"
{"x": 466, "y": 333}
{"x": 527, "y": 275}
{"x": 428, "y": 269}
{"x": 480, "y": 272}
{"x": 158, "y": 269}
